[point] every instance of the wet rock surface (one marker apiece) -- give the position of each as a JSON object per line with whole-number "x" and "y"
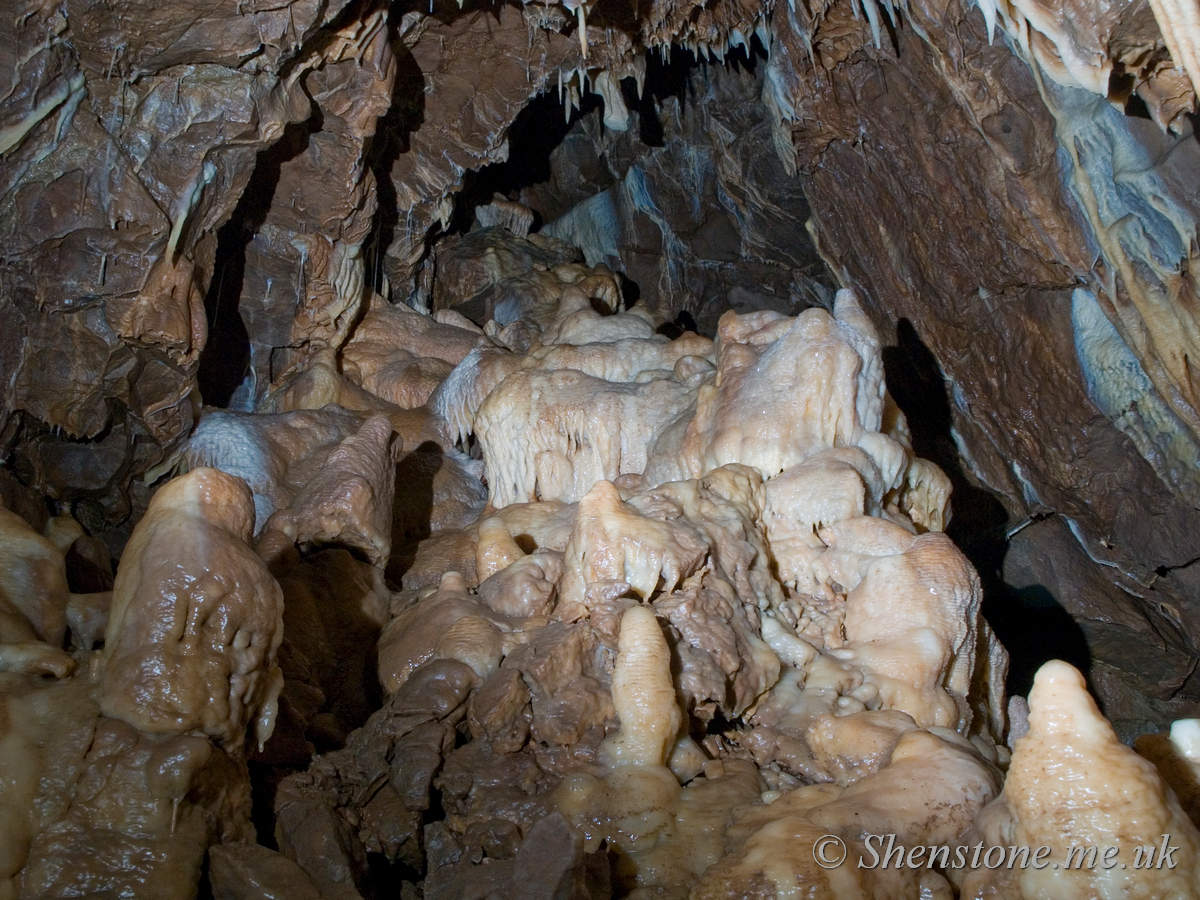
{"x": 994, "y": 315}
{"x": 439, "y": 460}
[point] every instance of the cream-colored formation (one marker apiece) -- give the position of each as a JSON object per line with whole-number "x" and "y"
{"x": 1072, "y": 783}
{"x": 1049, "y": 32}
{"x": 551, "y": 435}
{"x": 196, "y": 617}
{"x": 690, "y": 596}
{"x": 643, "y": 694}
{"x": 1179, "y": 21}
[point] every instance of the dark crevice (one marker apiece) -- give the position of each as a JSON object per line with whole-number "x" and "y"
{"x": 1164, "y": 571}
{"x": 682, "y": 323}
{"x": 1030, "y": 622}
{"x": 718, "y": 724}
{"x": 538, "y": 129}
{"x": 1034, "y": 628}
{"x": 1121, "y": 84}
{"x": 1032, "y": 520}
{"x": 388, "y": 878}
{"x": 393, "y": 138}
{"x": 225, "y": 360}
{"x": 264, "y": 779}
{"x": 204, "y": 889}
{"x": 1136, "y": 107}
{"x": 631, "y": 291}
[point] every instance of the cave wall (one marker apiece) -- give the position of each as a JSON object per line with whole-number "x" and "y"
{"x": 129, "y": 135}
{"x": 945, "y": 178}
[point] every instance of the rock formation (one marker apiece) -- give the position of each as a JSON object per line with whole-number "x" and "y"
{"x": 588, "y": 450}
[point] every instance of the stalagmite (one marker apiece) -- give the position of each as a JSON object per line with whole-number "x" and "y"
{"x": 196, "y": 618}
{"x": 349, "y": 501}
{"x": 1073, "y": 787}
{"x": 611, "y": 542}
{"x": 496, "y": 549}
{"x": 33, "y": 601}
{"x": 643, "y": 694}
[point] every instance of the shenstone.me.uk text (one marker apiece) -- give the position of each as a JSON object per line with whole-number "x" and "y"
{"x": 883, "y": 851}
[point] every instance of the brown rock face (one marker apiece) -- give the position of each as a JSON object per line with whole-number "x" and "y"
{"x": 129, "y": 135}
{"x": 464, "y": 84}
{"x": 936, "y": 184}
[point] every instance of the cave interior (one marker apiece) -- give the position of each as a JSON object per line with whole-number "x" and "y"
{"x": 601, "y": 448}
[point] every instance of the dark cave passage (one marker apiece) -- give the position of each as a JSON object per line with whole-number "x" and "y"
{"x": 227, "y": 359}
{"x": 1030, "y": 622}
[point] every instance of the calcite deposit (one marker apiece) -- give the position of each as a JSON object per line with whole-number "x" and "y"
{"x": 691, "y": 614}
{"x": 679, "y": 449}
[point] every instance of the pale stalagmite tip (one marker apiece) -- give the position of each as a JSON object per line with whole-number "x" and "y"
{"x": 643, "y": 693}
